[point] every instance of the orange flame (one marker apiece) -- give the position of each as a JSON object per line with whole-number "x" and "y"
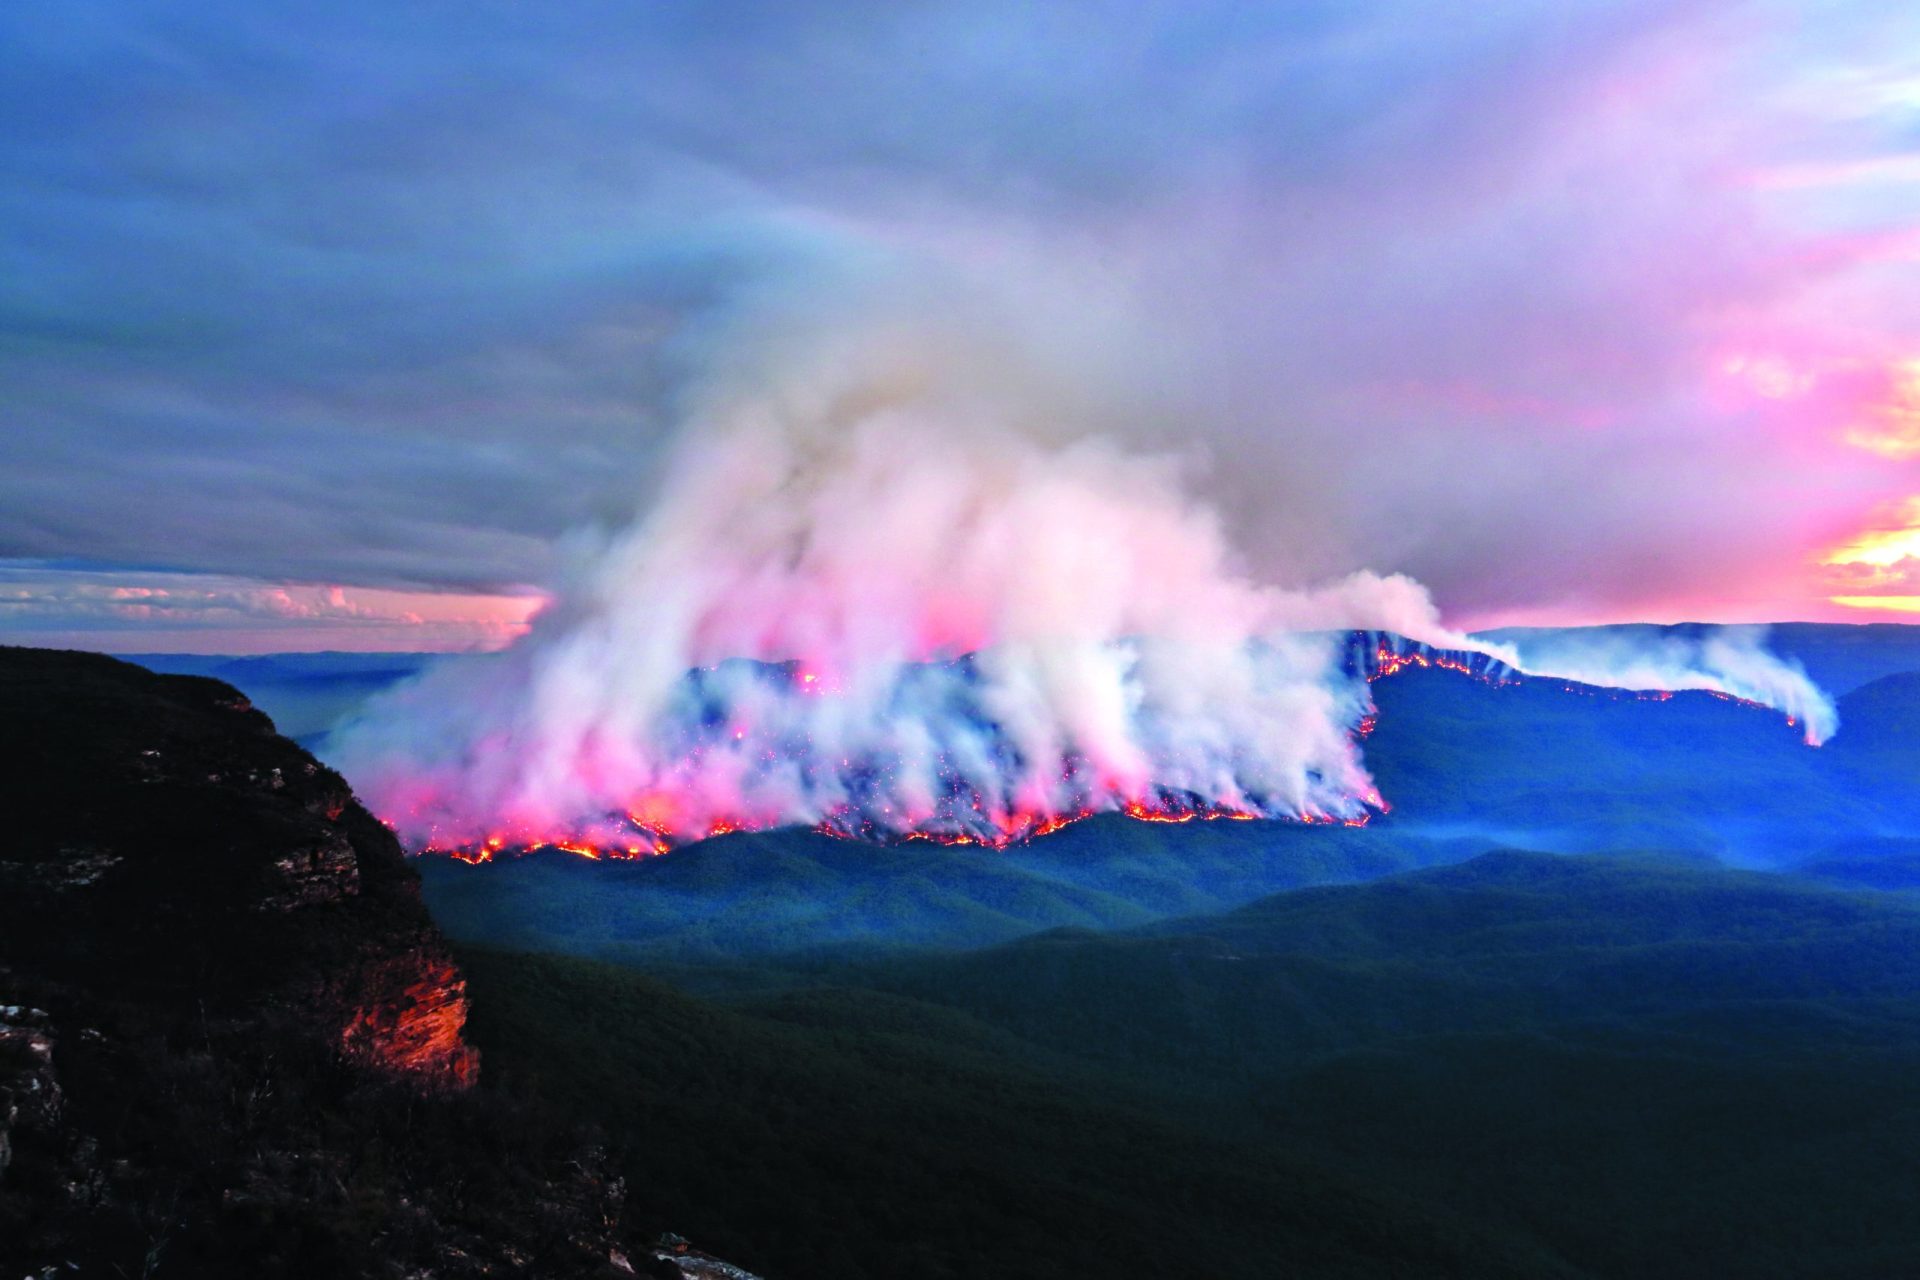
{"x": 651, "y": 828}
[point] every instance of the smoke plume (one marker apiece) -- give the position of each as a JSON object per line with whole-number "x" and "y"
{"x": 900, "y": 576}
{"x": 1728, "y": 660}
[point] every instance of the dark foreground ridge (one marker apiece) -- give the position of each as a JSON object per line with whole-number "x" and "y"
{"x": 231, "y": 1038}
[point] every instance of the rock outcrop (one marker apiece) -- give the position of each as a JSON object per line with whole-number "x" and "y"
{"x": 165, "y": 844}
{"x": 231, "y": 1038}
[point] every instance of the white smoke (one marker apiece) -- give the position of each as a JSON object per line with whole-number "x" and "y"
{"x": 869, "y": 504}
{"x": 1729, "y": 660}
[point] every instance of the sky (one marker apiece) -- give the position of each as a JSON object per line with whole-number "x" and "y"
{"x": 337, "y": 327}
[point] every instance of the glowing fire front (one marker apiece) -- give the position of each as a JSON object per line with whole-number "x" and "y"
{"x": 632, "y": 840}
{"x": 963, "y": 814}
{"x": 750, "y": 746}
{"x": 628, "y": 838}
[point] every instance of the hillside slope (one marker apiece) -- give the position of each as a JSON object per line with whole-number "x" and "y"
{"x": 1581, "y": 1066}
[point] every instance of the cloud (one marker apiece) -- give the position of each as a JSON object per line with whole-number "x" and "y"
{"x": 140, "y": 611}
{"x": 308, "y": 297}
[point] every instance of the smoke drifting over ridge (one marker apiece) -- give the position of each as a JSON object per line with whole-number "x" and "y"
{"x": 901, "y": 576}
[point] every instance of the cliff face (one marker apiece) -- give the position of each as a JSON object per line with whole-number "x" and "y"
{"x": 165, "y": 846}
{"x": 230, "y": 1036}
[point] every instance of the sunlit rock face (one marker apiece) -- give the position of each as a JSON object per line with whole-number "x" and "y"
{"x": 412, "y": 1019}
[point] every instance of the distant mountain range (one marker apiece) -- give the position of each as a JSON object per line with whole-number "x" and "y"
{"x": 305, "y": 693}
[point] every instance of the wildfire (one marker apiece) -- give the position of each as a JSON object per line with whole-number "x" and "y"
{"x": 1051, "y": 825}
{"x": 1141, "y": 813}
{"x": 656, "y": 823}
{"x": 1386, "y": 660}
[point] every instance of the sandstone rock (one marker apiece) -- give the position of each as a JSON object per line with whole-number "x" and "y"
{"x": 410, "y": 1018}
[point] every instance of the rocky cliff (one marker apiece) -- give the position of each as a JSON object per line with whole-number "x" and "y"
{"x": 230, "y": 1036}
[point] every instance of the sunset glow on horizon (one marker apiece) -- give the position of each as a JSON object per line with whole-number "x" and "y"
{"x": 146, "y": 612}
